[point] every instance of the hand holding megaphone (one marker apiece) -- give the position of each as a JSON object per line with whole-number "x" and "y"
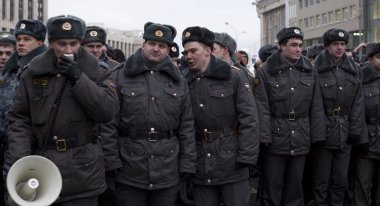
{"x": 34, "y": 181}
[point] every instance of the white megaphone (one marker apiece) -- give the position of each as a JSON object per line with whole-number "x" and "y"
{"x": 34, "y": 181}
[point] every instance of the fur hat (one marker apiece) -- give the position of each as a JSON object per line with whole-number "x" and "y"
{"x": 335, "y": 35}
{"x": 95, "y": 34}
{"x": 227, "y": 41}
{"x": 7, "y": 39}
{"x": 66, "y": 27}
{"x": 31, "y": 27}
{"x": 287, "y": 33}
{"x": 159, "y": 32}
{"x": 199, "y": 34}
{"x": 372, "y": 49}
{"x": 267, "y": 50}
{"x": 174, "y": 50}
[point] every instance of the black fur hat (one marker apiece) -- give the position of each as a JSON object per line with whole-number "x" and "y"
{"x": 199, "y": 34}
{"x": 159, "y": 32}
{"x": 174, "y": 50}
{"x": 372, "y": 49}
{"x": 31, "y": 27}
{"x": 7, "y": 39}
{"x": 95, "y": 34}
{"x": 287, "y": 33}
{"x": 335, "y": 35}
{"x": 66, "y": 27}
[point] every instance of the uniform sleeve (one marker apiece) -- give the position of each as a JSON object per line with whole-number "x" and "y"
{"x": 186, "y": 135}
{"x": 109, "y": 134}
{"x": 20, "y": 132}
{"x": 98, "y": 99}
{"x": 248, "y": 129}
{"x": 262, "y": 102}
{"x": 357, "y": 135}
{"x": 317, "y": 114}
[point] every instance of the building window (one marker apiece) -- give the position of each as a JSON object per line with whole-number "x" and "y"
{"x": 20, "y": 9}
{"x": 306, "y": 3}
{"x": 30, "y": 9}
{"x": 317, "y": 1}
{"x": 331, "y": 17}
{"x": 318, "y": 20}
{"x": 311, "y": 2}
{"x": 306, "y": 21}
{"x": 11, "y": 10}
{"x": 4, "y": 10}
{"x": 4, "y": 29}
{"x": 312, "y": 21}
{"x": 338, "y": 15}
{"x": 300, "y": 3}
{"x": 300, "y": 23}
{"x": 40, "y": 10}
{"x": 324, "y": 18}
{"x": 345, "y": 13}
{"x": 353, "y": 11}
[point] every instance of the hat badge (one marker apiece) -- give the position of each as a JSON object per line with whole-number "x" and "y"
{"x": 93, "y": 33}
{"x": 187, "y": 34}
{"x": 22, "y": 26}
{"x": 174, "y": 49}
{"x": 66, "y": 26}
{"x": 297, "y": 31}
{"x": 341, "y": 34}
{"x": 159, "y": 33}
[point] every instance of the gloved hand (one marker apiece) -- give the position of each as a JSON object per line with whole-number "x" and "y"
{"x": 362, "y": 148}
{"x": 185, "y": 176}
{"x": 70, "y": 68}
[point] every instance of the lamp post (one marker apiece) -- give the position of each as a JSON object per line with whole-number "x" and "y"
{"x": 236, "y": 32}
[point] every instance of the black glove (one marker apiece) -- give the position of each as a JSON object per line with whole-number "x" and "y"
{"x": 362, "y": 148}
{"x": 239, "y": 165}
{"x": 70, "y": 68}
{"x": 185, "y": 176}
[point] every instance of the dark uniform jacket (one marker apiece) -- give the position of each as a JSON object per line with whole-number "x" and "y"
{"x": 343, "y": 100}
{"x": 83, "y": 105}
{"x": 225, "y": 114}
{"x": 155, "y": 124}
{"x": 290, "y": 106}
{"x": 371, "y": 91}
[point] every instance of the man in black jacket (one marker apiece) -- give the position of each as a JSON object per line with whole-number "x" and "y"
{"x": 291, "y": 118}
{"x": 340, "y": 84}
{"x": 226, "y": 123}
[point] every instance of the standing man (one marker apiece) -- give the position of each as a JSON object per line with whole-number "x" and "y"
{"x": 226, "y": 123}
{"x": 7, "y": 47}
{"x": 368, "y": 164}
{"x": 174, "y": 54}
{"x": 340, "y": 84}
{"x": 94, "y": 42}
{"x": 59, "y": 102}
{"x": 291, "y": 118}
{"x": 30, "y": 36}
{"x": 155, "y": 125}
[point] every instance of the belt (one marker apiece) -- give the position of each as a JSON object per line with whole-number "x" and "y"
{"x": 213, "y": 135}
{"x": 338, "y": 112}
{"x": 63, "y": 144}
{"x": 290, "y": 115}
{"x": 151, "y": 136}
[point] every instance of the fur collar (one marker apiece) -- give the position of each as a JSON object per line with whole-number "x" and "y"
{"x": 275, "y": 64}
{"x": 46, "y": 64}
{"x": 136, "y": 64}
{"x": 15, "y": 62}
{"x": 217, "y": 69}
{"x": 369, "y": 75}
{"x": 324, "y": 62}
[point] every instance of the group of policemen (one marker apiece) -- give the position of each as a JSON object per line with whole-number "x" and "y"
{"x": 137, "y": 132}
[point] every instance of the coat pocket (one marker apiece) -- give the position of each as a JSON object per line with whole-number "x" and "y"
{"x": 328, "y": 88}
{"x": 133, "y": 157}
{"x": 133, "y": 100}
{"x": 278, "y": 90}
{"x": 222, "y": 101}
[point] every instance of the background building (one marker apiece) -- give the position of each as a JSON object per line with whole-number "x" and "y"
{"x": 14, "y": 10}
{"x": 361, "y": 18}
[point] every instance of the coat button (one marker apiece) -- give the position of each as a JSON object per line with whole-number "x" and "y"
{"x": 278, "y": 128}
{"x": 152, "y": 72}
{"x": 370, "y": 95}
{"x": 201, "y": 105}
{"x": 208, "y": 181}
{"x": 152, "y": 98}
{"x": 198, "y": 79}
{"x": 292, "y": 152}
{"x": 59, "y": 75}
{"x": 150, "y": 185}
{"x": 133, "y": 94}
{"x": 205, "y": 130}
{"x": 293, "y": 132}
{"x": 277, "y": 85}
{"x": 325, "y": 85}
{"x": 151, "y": 156}
{"x": 175, "y": 94}
{"x": 208, "y": 155}
{"x": 341, "y": 88}
{"x": 55, "y": 138}
{"x": 292, "y": 89}
{"x": 290, "y": 69}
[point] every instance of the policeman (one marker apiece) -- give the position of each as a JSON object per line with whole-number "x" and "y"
{"x": 155, "y": 125}
{"x": 7, "y": 47}
{"x": 367, "y": 164}
{"x": 54, "y": 116}
{"x": 343, "y": 103}
{"x": 226, "y": 123}
{"x": 94, "y": 41}
{"x": 224, "y": 48}
{"x": 291, "y": 118}
{"x": 174, "y": 54}
{"x": 30, "y": 36}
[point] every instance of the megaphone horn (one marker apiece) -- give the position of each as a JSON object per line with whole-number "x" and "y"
{"x": 34, "y": 181}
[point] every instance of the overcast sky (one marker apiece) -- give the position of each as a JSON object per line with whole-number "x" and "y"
{"x": 133, "y": 14}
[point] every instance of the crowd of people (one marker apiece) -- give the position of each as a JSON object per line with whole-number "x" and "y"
{"x": 203, "y": 129}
